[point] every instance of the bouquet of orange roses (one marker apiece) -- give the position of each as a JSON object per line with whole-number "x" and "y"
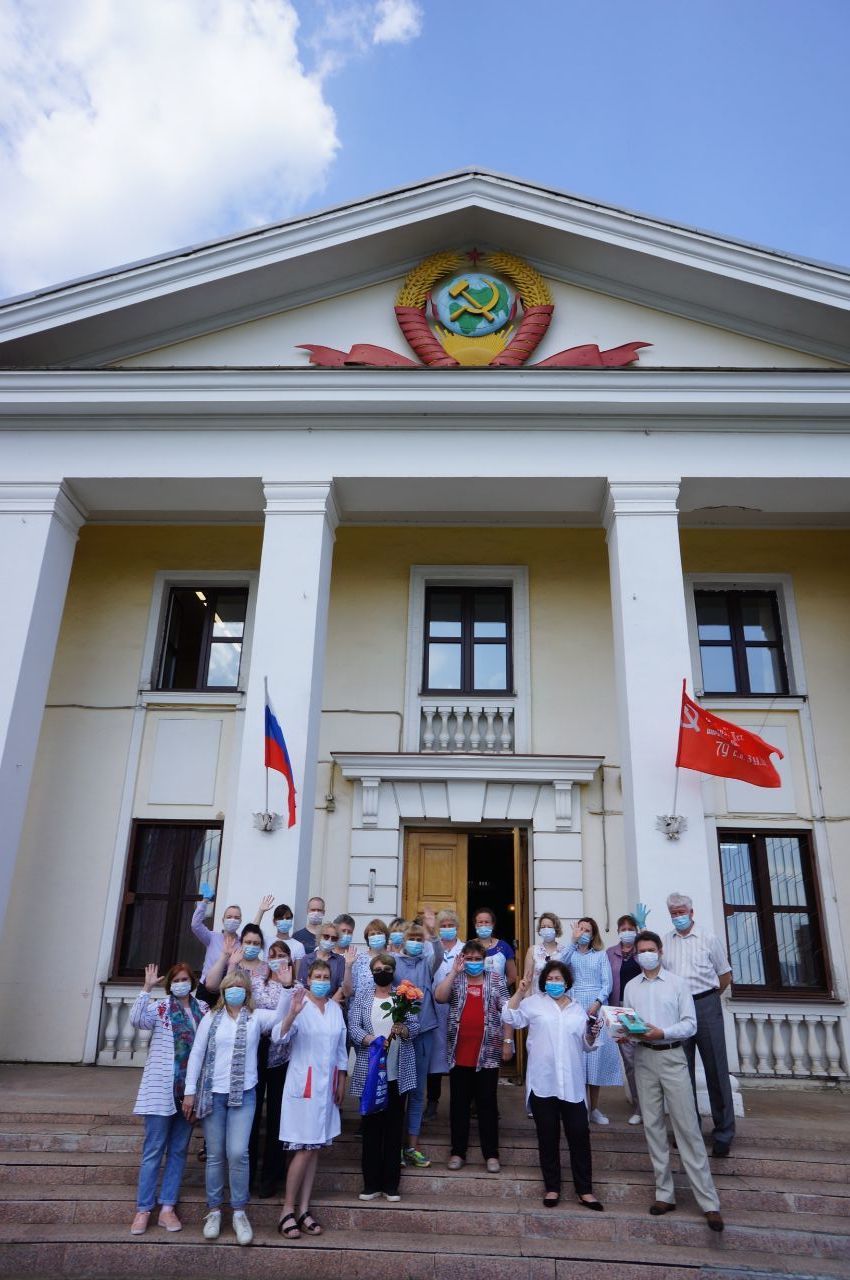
{"x": 405, "y": 999}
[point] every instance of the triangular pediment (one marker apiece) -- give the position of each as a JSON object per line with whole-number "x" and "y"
{"x": 332, "y": 278}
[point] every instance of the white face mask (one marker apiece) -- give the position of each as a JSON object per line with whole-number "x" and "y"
{"x": 648, "y": 959}
{"x": 230, "y": 925}
{"x": 181, "y": 988}
{"x": 627, "y": 937}
{"x": 315, "y": 917}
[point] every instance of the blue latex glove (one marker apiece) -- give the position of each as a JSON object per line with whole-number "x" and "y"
{"x": 206, "y": 891}
{"x": 641, "y": 912}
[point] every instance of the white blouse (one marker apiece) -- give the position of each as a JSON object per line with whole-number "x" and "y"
{"x": 556, "y": 1046}
{"x": 259, "y": 1020}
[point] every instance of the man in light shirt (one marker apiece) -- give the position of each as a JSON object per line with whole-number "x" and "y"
{"x": 699, "y": 959}
{"x": 661, "y": 1073}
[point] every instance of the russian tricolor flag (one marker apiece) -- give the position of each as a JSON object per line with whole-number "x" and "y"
{"x": 277, "y": 756}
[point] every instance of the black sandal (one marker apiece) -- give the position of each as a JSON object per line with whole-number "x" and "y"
{"x": 309, "y": 1223}
{"x": 550, "y": 1204}
{"x": 291, "y": 1232}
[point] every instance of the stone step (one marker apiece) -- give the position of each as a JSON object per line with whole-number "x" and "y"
{"x": 79, "y": 1252}
{"x": 803, "y": 1234}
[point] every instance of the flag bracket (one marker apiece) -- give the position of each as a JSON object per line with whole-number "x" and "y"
{"x": 268, "y": 821}
{"x": 672, "y": 825}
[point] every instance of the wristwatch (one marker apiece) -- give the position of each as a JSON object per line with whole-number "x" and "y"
{"x": 506, "y": 1041}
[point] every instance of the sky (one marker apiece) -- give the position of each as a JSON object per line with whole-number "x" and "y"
{"x": 129, "y": 130}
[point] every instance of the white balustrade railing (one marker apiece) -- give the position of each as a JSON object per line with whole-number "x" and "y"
{"x": 477, "y": 727}
{"x": 120, "y": 1044}
{"x": 807, "y": 1044}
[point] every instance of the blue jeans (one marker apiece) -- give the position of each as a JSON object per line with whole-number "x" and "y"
{"x": 416, "y": 1098}
{"x": 227, "y": 1132}
{"x": 164, "y": 1136}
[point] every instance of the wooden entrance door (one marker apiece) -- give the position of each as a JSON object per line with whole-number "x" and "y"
{"x": 435, "y": 872}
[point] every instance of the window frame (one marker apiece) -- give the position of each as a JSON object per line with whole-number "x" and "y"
{"x": 468, "y": 641}
{"x": 765, "y": 912}
{"x": 211, "y": 592}
{"x": 739, "y": 644}
{"x": 781, "y": 585}
{"x": 174, "y": 908}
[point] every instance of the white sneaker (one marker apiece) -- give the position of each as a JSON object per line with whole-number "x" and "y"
{"x": 637, "y": 1118}
{"x": 242, "y": 1227}
{"x": 368, "y": 1195}
{"x": 392, "y": 1196}
{"x": 596, "y": 1117}
{"x": 212, "y": 1224}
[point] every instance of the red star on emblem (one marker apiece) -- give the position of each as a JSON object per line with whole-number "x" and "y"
{"x": 474, "y": 256}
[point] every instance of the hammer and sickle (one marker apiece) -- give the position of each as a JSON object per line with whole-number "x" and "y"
{"x": 690, "y": 719}
{"x": 460, "y": 289}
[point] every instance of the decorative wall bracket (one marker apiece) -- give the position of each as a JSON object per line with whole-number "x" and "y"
{"x": 268, "y": 821}
{"x": 370, "y": 790}
{"x": 671, "y": 825}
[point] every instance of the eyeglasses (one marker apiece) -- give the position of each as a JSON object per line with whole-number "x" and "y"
{"x": 377, "y": 971}
{"x": 330, "y": 937}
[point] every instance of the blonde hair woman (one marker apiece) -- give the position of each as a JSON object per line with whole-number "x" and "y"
{"x": 549, "y": 946}
{"x": 592, "y": 985}
{"x": 221, "y": 1084}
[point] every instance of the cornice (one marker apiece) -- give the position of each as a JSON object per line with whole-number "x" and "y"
{"x": 34, "y": 499}
{"x": 416, "y": 767}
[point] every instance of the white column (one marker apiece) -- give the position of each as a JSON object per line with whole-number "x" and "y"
{"x": 651, "y": 657}
{"x": 39, "y": 525}
{"x": 288, "y": 647}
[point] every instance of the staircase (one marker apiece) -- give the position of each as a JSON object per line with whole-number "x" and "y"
{"x": 69, "y": 1154}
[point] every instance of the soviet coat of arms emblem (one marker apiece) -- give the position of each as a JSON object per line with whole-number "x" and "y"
{"x": 474, "y": 309}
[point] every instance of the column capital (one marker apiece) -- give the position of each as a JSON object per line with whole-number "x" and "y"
{"x": 301, "y": 497}
{"x": 28, "y": 498}
{"x": 627, "y": 498}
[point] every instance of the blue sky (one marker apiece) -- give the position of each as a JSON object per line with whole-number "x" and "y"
{"x": 128, "y": 131}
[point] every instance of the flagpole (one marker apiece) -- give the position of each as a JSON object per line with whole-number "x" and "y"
{"x": 265, "y": 704}
{"x": 675, "y": 793}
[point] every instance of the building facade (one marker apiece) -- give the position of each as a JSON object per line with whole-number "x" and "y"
{"x": 474, "y": 532}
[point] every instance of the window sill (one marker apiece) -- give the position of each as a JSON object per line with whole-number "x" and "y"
{"x": 753, "y": 701}
{"x": 191, "y": 698}
{"x": 783, "y": 997}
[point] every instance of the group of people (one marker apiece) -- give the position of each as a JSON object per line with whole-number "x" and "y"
{"x": 274, "y": 1016}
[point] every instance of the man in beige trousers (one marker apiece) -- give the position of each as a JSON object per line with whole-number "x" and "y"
{"x": 661, "y": 1074}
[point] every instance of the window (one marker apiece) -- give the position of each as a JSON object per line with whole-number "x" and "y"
{"x": 740, "y": 642}
{"x": 202, "y": 639}
{"x": 772, "y": 921}
{"x": 468, "y": 640}
{"x": 168, "y": 862}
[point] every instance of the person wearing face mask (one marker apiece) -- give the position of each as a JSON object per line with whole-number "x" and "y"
{"x": 395, "y": 936}
{"x": 593, "y": 982}
{"x": 624, "y": 967}
{"x": 413, "y": 964}
{"x": 549, "y": 946}
{"x": 326, "y": 949}
{"x": 282, "y": 925}
{"x": 347, "y": 952}
{"x": 559, "y": 1039}
{"x": 477, "y": 1046}
{"x": 666, "y": 1006}
{"x": 498, "y": 954}
{"x": 238, "y": 953}
{"x": 382, "y": 1131}
{"x": 309, "y": 935}
{"x": 173, "y": 1023}
{"x": 375, "y": 933}
{"x": 271, "y": 1073}
{"x": 221, "y": 1083}
{"x": 314, "y": 1028}
{"x": 448, "y": 925}
{"x": 699, "y": 959}
{"x": 231, "y": 923}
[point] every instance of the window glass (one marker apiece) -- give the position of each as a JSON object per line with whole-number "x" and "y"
{"x": 144, "y": 925}
{"x": 718, "y": 670}
{"x": 445, "y": 614}
{"x": 757, "y": 617}
{"x": 490, "y": 615}
{"x": 202, "y": 647}
{"x": 712, "y": 616}
{"x": 738, "y": 886}
{"x": 203, "y": 850}
{"x": 156, "y": 851}
{"x": 444, "y": 666}
{"x": 764, "y": 671}
{"x": 784, "y": 864}
{"x": 491, "y": 666}
{"x": 229, "y": 614}
{"x": 745, "y": 949}
{"x": 796, "y": 951}
{"x": 223, "y": 666}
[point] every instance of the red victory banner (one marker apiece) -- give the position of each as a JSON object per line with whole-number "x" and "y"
{"x": 711, "y": 745}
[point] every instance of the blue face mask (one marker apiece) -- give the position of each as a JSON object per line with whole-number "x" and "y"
{"x": 474, "y": 967}
{"x": 344, "y": 940}
{"x": 555, "y": 989}
{"x": 320, "y": 987}
{"x": 251, "y": 950}
{"x": 284, "y": 926}
{"x": 235, "y": 996}
{"x": 681, "y": 922}
{"x": 583, "y": 939}
{"x": 377, "y": 941}
{"x": 484, "y": 931}
{"x": 414, "y": 947}
{"x": 396, "y": 937}
{"x": 447, "y": 934}
{"x": 181, "y": 988}
{"x": 326, "y": 944}
{"x": 547, "y": 934}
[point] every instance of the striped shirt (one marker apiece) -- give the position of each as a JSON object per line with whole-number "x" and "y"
{"x": 698, "y": 957}
{"x": 156, "y": 1090}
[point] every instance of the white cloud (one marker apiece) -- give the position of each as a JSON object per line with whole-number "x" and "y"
{"x": 128, "y": 129}
{"x": 396, "y": 21}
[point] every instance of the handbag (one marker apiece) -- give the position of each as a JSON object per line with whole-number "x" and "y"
{"x": 374, "y": 1095}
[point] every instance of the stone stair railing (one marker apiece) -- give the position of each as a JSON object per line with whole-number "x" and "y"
{"x": 802, "y": 1043}
{"x": 120, "y": 1044}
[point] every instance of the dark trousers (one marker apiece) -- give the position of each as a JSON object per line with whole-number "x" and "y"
{"x": 467, "y": 1086}
{"x": 262, "y": 1073}
{"x": 435, "y": 1087}
{"x": 382, "y": 1142}
{"x": 710, "y": 1039}
{"x": 274, "y": 1156}
{"x": 549, "y": 1114}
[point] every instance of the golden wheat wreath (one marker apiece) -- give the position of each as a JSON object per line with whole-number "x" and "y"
{"x": 533, "y": 293}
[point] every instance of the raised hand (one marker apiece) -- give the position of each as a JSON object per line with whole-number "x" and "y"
{"x": 429, "y": 919}
{"x": 459, "y": 962}
{"x": 577, "y": 931}
{"x": 524, "y": 984}
{"x": 641, "y": 912}
{"x": 152, "y": 977}
{"x": 206, "y": 891}
{"x": 236, "y": 957}
{"x": 266, "y": 904}
{"x": 229, "y": 943}
{"x": 350, "y": 956}
{"x": 299, "y": 996}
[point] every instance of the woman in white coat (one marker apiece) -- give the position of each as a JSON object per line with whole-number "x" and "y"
{"x": 314, "y": 1091}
